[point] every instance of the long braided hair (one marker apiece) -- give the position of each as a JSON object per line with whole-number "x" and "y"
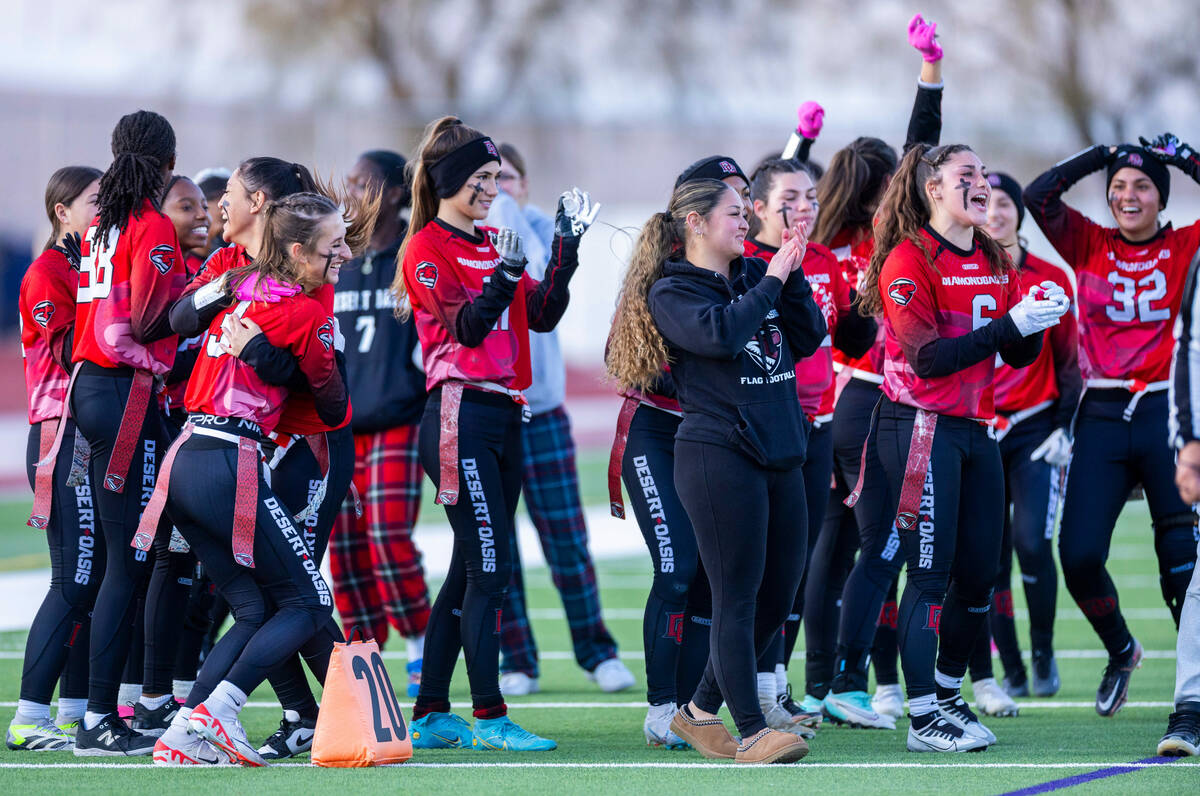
{"x": 143, "y": 145}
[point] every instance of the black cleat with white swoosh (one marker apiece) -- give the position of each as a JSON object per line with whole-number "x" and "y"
{"x": 294, "y": 737}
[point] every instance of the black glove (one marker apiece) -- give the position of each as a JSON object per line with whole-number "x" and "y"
{"x": 1169, "y": 149}
{"x": 512, "y": 254}
{"x": 71, "y": 247}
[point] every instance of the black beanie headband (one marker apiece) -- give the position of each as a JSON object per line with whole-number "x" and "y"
{"x": 451, "y": 171}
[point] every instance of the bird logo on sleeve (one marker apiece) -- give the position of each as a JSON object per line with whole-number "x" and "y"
{"x": 427, "y": 274}
{"x": 901, "y": 291}
{"x": 325, "y": 334}
{"x": 42, "y": 312}
{"x": 160, "y": 257}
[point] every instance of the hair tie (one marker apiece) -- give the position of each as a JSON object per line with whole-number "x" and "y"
{"x": 668, "y": 217}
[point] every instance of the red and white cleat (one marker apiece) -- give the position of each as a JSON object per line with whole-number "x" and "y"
{"x": 227, "y": 734}
{"x": 177, "y": 747}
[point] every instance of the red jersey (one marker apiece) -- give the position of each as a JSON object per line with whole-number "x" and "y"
{"x": 814, "y": 375}
{"x": 47, "y": 316}
{"x": 300, "y": 410}
{"x": 444, "y": 269}
{"x": 854, "y": 257}
{"x": 173, "y": 395}
{"x": 1129, "y": 295}
{"x": 125, "y": 292}
{"x": 921, "y": 304}
{"x": 225, "y": 386}
{"x": 1022, "y": 388}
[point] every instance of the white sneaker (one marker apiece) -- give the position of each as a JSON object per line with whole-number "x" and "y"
{"x": 992, "y": 700}
{"x": 657, "y": 727}
{"x": 178, "y": 747}
{"x": 888, "y": 701}
{"x": 518, "y": 684}
{"x": 943, "y": 735}
{"x": 611, "y": 675}
{"x": 957, "y": 711}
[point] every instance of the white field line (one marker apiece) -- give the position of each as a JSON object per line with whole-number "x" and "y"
{"x": 1031, "y": 705}
{"x": 649, "y": 765}
{"x": 637, "y": 655}
{"x": 636, "y": 614}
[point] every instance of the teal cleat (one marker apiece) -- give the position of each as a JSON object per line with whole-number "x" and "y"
{"x": 505, "y": 735}
{"x": 441, "y": 731}
{"x": 810, "y": 704}
{"x": 854, "y": 708}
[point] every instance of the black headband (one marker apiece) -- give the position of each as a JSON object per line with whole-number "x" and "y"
{"x": 451, "y": 171}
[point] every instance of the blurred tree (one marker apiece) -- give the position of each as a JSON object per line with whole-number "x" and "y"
{"x": 1104, "y": 63}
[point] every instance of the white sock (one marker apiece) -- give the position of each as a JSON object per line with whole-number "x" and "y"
{"x": 416, "y": 648}
{"x": 922, "y": 705}
{"x": 766, "y": 686}
{"x": 181, "y": 689}
{"x": 946, "y": 681}
{"x": 129, "y": 693}
{"x": 227, "y": 698}
{"x": 291, "y": 715}
{"x": 781, "y": 682}
{"x": 71, "y": 709}
{"x": 27, "y": 709}
{"x": 91, "y": 719}
{"x": 154, "y": 703}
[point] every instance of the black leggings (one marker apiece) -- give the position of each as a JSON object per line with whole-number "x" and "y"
{"x": 97, "y": 403}
{"x": 880, "y": 556}
{"x": 648, "y": 470}
{"x": 466, "y": 613}
{"x": 1032, "y": 491}
{"x": 58, "y": 638}
{"x": 200, "y": 497}
{"x": 1112, "y": 455}
{"x": 751, "y": 526}
{"x": 818, "y": 468}
{"x": 296, "y": 479}
{"x": 953, "y": 553}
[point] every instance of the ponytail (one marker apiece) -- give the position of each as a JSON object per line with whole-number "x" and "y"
{"x": 143, "y": 145}
{"x": 441, "y": 137}
{"x": 637, "y": 352}
{"x": 905, "y": 210}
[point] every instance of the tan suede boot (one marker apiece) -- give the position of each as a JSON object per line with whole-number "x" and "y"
{"x": 708, "y": 736}
{"x": 771, "y": 746}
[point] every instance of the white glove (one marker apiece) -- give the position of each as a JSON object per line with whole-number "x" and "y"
{"x": 512, "y": 253}
{"x": 576, "y": 212}
{"x": 339, "y": 339}
{"x": 1051, "y": 291}
{"x": 1055, "y": 450}
{"x": 1033, "y": 315}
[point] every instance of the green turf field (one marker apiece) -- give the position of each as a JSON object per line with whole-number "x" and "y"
{"x": 600, "y": 739}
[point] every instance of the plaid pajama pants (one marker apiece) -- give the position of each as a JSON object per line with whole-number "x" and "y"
{"x": 376, "y": 568}
{"x": 551, "y": 490}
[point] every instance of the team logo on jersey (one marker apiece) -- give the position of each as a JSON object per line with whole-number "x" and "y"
{"x": 43, "y": 311}
{"x": 901, "y": 291}
{"x": 766, "y": 349}
{"x": 325, "y": 334}
{"x": 727, "y": 167}
{"x": 160, "y": 257}
{"x": 427, "y": 274}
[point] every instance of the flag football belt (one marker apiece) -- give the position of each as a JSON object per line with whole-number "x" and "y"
{"x": 843, "y": 375}
{"x": 1138, "y": 387}
{"x": 245, "y": 434}
{"x": 1002, "y": 424}
{"x": 819, "y": 420}
{"x": 49, "y": 444}
{"x": 452, "y": 391}
{"x": 617, "y": 455}
{"x": 319, "y": 445}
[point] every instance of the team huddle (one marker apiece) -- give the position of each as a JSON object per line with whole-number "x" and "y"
{"x": 827, "y": 373}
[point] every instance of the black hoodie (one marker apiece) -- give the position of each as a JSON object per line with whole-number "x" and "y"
{"x": 733, "y": 347}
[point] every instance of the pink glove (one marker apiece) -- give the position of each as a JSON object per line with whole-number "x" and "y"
{"x": 811, "y": 116}
{"x": 255, "y": 288}
{"x": 923, "y": 36}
